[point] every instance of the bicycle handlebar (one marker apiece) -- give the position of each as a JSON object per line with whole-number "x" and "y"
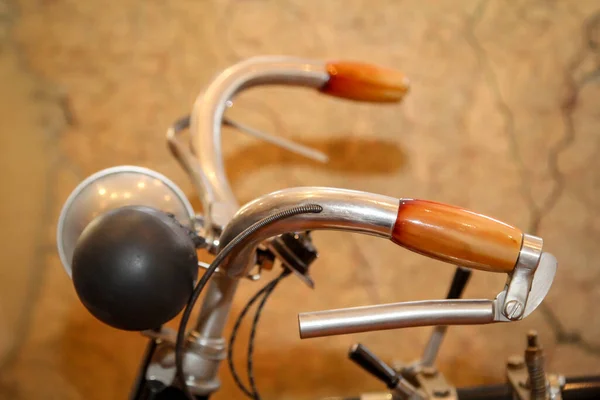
{"x": 349, "y": 80}
{"x": 440, "y": 231}
{"x": 343, "y": 209}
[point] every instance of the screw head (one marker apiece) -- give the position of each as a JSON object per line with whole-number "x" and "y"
{"x": 523, "y": 385}
{"x": 515, "y": 362}
{"x": 429, "y": 372}
{"x": 513, "y": 310}
{"x": 562, "y": 381}
{"x": 532, "y": 339}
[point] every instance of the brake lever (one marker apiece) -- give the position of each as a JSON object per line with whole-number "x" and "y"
{"x": 185, "y": 156}
{"x": 426, "y": 313}
{"x": 293, "y": 147}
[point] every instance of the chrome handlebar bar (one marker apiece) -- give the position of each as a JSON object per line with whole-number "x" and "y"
{"x": 347, "y": 210}
{"x": 343, "y": 209}
{"x": 355, "y": 81}
{"x": 210, "y": 106}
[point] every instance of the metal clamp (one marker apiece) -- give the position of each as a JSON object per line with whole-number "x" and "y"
{"x": 434, "y": 385}
{"x": 540, "y": 286}
{"x": 198, "y": 351}
{"x": 520, "y": 281}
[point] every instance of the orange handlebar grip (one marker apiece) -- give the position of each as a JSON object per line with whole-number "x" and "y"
{"x": 457, "y": 236}
{"x": 365, "y": 82}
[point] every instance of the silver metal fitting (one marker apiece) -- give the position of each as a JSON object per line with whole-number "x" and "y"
{"x": 522, "y": 277}
{"x": 527, "y": 375}
{"x": 433, "y": 384}
{"x": 534, "y": 360}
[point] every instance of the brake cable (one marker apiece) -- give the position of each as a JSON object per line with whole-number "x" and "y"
{"x": 266, "y": 291}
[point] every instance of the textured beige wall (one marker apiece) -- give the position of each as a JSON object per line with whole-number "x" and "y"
{"x": 503, "y": 118}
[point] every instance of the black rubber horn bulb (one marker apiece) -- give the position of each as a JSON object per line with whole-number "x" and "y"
{"x": 134, "y": 268}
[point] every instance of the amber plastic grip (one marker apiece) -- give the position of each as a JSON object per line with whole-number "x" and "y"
{"x": 365, "y": 82}
{"x": 457, "y": 236}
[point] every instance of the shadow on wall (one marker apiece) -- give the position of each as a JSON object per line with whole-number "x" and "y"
{"x": 347, "y": 155}
{"x": 352, "y": 156}
{"x": 99, "y": 362}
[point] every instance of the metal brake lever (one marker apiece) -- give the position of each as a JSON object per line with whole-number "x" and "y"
{"x": 184, "y": 155}
{"x": 294, "y": 147}
{"x": 425, "y": 313}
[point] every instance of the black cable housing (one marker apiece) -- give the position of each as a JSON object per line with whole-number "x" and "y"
{"x": 266, "y": 291}
{"x": 303, "y": 209}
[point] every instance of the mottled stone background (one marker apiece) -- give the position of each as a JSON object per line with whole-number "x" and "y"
{"x": 503, "y": 118}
